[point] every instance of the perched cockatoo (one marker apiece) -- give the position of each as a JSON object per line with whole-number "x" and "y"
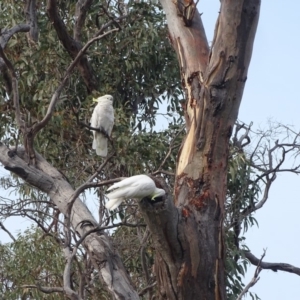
{"x": 138, "y": 186}
{"x": 102, "y": 118}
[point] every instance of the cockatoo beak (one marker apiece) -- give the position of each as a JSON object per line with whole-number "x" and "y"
{"x": 95, "y": 99}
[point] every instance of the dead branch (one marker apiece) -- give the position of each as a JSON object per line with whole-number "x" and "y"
{"x": 7, "y": 231}
{"x": 272, "y": 266}
{"x": 268, "y": 170}
{"x": 246, "y": 212}
{"x": 238, "y": 141}
{"x": 254, "y": 279}
{"x": 88, "y": 184}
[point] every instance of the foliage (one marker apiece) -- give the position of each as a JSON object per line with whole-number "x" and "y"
{"x": 32, "y": 258}
{"x": 136, "y": 77}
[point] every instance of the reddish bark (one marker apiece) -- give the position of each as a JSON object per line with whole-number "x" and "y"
{"x": 189, "y": 235}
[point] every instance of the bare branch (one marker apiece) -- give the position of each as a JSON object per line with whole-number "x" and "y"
{"x": 67, "y": 274}
{"x": 8, "y": 232}
{"x": 238, "y": 141}
{"x": 44, "y": 289}
{"x": 254, "y": 279}
{"x": 31, "y": 20}
{"x": 87, "y": 184}
{"x": 8, "y": 33}
{"x": 272, "y": 266}
{"x": 82, "y": 6}
{"x": 264, "y": 199}
{"x": 72, "y": 46}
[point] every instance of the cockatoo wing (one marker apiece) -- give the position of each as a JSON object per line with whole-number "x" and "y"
{"x": 126, "y": 192}
{"x": 132, "y": 181}
{"x": 138, "y": 186}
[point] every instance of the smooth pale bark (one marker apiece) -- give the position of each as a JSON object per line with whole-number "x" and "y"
{"x": 46, "y": 178}
{"x": 189, "y": 236}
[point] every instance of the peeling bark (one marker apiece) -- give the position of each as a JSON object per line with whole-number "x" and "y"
{"x": 47, "y": 179}
{"x": 193, "y": 266}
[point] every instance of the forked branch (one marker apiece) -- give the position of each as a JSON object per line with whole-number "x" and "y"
{"x": 254, "y": 279}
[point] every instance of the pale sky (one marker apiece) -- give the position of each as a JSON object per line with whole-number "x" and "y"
{"x": 271, "y": 92}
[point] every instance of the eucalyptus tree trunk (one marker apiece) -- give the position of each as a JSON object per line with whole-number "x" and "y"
{"x": 188, "y": 234}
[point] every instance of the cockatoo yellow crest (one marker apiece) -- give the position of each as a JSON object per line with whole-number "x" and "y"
{"x": 138, "y": 186}
{"x": 102, "y": 118}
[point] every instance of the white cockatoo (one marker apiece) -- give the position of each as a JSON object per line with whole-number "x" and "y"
{"x": 138, "y": 186}
{"x": 102, "y": 118}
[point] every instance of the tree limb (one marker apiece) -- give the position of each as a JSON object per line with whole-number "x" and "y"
{"x": 72, "y": 46}
{"x": 8, "y": 33}
{"x": 4, "y": 38}
{"x": 272, "y": 266}
{"x": 254, "y": 279}
{"x": 31, "y": 20}
{"x": 6, "y": 76}
{"x": 47, "y": 179}
{"x": 82, "y": 6}
{"x": 8, "y": 232}
{"x": 44, "y": 289}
